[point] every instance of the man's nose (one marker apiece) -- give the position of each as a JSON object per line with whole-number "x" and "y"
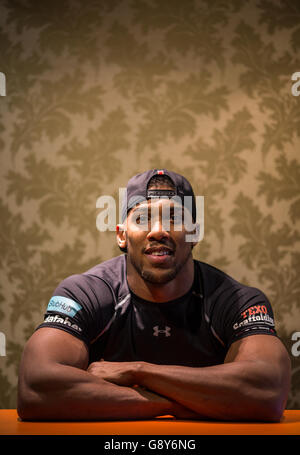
{"x": 158, "y": 230}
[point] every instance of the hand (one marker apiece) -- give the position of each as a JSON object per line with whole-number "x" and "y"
{"x": 173, "y": 408}
{"x": 124, "y": 374}
{"x": 120, "y": 373}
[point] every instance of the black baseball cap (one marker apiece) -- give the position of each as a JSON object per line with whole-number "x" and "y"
{"x": 137, "y": 190}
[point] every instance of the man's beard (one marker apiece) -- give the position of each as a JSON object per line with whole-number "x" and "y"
{"x": 163, "y": 276}
{"x": 160, "y": 278}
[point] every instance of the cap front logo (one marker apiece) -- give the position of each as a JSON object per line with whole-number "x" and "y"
{"x": 160, "y": 172}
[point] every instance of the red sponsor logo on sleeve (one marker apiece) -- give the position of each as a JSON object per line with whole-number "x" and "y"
{"x": 256, "y": 309}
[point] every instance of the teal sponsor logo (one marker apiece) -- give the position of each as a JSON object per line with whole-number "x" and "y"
{"x": 63, "y": 305}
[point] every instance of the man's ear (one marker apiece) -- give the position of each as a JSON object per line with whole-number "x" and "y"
{"x": 121, "y": 235}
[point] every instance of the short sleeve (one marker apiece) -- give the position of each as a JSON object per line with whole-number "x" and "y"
{"x": 246, "y": 311}
{"x": 75, "y": 307}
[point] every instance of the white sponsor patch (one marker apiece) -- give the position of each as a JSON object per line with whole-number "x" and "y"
{"x": 265, "y": 318}
{"x": 61, "y": 320}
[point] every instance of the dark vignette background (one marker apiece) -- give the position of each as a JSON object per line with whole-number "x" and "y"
{"x": 100, "y": 90}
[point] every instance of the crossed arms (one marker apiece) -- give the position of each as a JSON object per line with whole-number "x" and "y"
{"x": 56, "y": 383}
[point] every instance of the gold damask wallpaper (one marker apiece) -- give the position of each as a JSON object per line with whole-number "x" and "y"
{"x": 96, "y": 91}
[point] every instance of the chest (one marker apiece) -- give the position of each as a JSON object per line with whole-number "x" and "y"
{"x": 163, "y": 334}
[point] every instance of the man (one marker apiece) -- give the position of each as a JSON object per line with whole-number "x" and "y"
{"x": 153, "y": 332}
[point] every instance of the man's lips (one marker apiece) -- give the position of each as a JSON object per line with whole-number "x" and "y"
{"x": 159, "y": 255}
{"x": 159, "y": 251}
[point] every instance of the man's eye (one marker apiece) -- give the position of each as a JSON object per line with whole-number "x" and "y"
{"x": 142, "y": 219}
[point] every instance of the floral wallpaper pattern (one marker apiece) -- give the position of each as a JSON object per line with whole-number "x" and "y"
{"x": 97, "y": 91}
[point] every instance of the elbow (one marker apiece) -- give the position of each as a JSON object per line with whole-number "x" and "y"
{"x": 28, "y": 402}
{"x": 273, "y": 398}
{"x": 271, "y": 409}
{"x": 32, "y": 409}
{"x": 23, "y": 401}
{"x": 26, "y": 406}
{"x": 274, "y": 412}
{"x": 258, "y": 410}
{"x": 23, "y": 411}
{"x": 264, "y": 405}
{"x": 278, "y": 398}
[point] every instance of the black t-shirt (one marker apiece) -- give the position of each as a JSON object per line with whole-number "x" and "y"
{"x": 196, "y": 329}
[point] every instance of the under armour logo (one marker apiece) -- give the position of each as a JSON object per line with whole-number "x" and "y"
{"x": 157, "y": 331}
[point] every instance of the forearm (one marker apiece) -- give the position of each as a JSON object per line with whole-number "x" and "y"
{"x": 236, "y": 390}
{"x": 63, "y": 392}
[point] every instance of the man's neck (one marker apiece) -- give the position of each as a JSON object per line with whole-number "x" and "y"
{"x": 163, "y": 292}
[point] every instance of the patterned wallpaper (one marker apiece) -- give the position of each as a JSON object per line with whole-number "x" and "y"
{"x": 97, "y": 91}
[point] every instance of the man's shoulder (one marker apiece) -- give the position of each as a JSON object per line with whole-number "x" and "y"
{"x": 215, "y": 280}
{"x": 221, "y": 289}
{"x": 213, "y": 276}
{"x": 114, "y": 267}
{"x": 107, "y": 274}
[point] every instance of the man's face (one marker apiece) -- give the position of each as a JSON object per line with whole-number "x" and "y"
{"x": 156, "y": 240}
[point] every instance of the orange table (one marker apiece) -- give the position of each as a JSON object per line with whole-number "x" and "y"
{"x": 11, "y": 425}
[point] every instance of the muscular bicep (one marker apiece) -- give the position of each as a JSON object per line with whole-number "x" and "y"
{"x": 51, "y": 361}
{"x": 54, "y": 346}
{"x": 264, "y": 357}
{"x": 258, "y": 347}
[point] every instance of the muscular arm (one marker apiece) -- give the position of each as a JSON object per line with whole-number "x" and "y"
{"x": 54, "y": 384}
{"x": 252, "y": 384}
